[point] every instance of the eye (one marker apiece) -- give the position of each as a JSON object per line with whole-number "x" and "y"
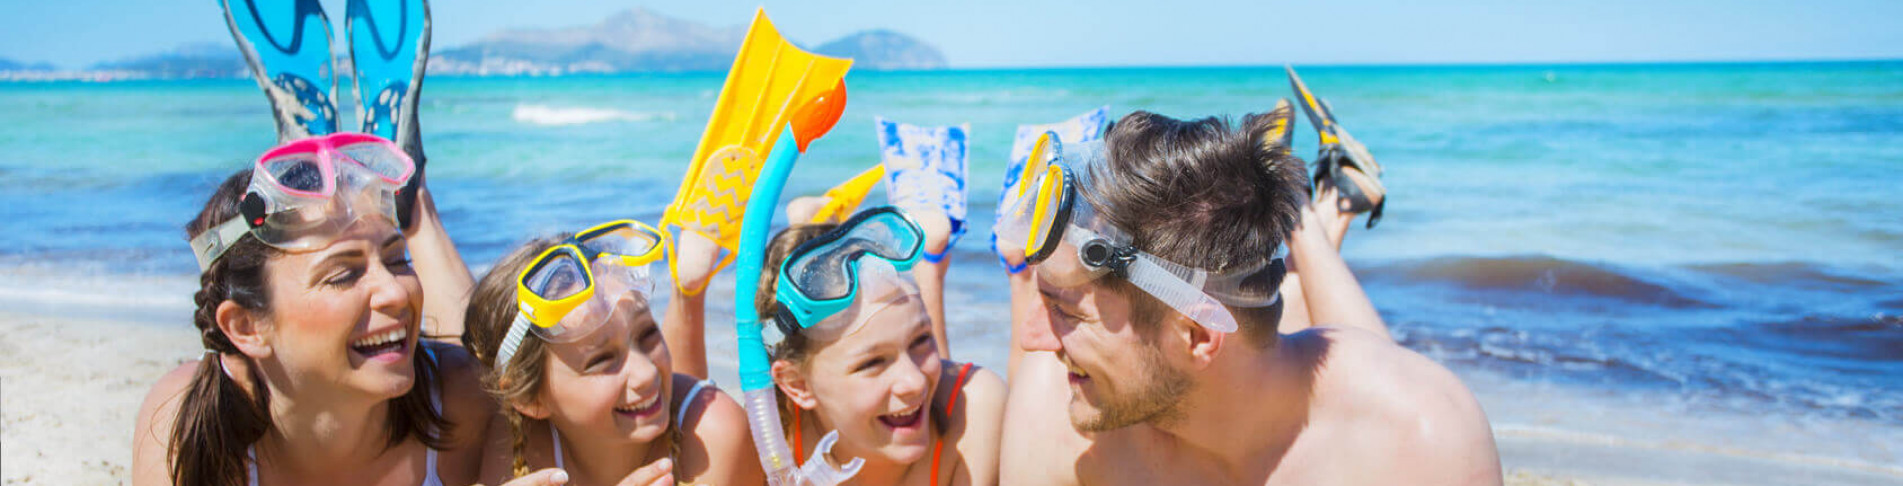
{"x": 344, "y": 276}
{"x": 869, "y": 364}
{"x": 650, "y": 337}
{"x": 922, "y": 340}
{"x": 599, "y": 361}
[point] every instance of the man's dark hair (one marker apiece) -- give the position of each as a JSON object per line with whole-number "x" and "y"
{"x": 1204, "y": 194}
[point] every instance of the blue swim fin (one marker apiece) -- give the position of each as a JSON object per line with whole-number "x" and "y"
{"x": 925, "y": 172}
{"x": 289, "y": 61}
{"x": 389, "y": 47}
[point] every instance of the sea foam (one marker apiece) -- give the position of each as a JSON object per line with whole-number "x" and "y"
{"x": 545, "y": 115}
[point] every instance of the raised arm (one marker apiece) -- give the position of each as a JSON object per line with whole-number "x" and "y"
{"x": 1331, "y": 292}
{"x": 446, "y": 279}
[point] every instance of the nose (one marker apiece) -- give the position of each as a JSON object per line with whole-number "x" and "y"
{"x": 910, "y": 381}
{"x": 388, "y": 293}
{"x": 1035, "y": 326}
{"x": 641, "y": 374}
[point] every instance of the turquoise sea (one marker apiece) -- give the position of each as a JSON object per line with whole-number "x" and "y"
{"x": 1695, "y": 253}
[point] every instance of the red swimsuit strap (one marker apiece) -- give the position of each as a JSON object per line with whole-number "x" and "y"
{"x": 950, "y": 405}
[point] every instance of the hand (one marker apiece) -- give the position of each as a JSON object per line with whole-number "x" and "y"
{"x": 545, "y": 477}
{"x": 660, "y": 473}
{"x": 802, "y": 209}
{"x": 937, "y": 228}
{"x": 694, "y": 257}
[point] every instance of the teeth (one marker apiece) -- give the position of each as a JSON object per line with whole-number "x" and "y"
{"x": 639, "y": 406}
{"x": 394, "y": 335}
{"x": 904, "y": 414}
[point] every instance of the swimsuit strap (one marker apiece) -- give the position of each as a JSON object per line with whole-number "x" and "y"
{"x": 680, "y": 416}
{"x": 435, "y": 403}
{"x": 950, "y": 404}
{"x": 251, "y": 466}
{"x": 556, "y": 436}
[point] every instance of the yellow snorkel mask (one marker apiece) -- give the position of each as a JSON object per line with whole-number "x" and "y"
{"x": 1060, "y": 232}
{"x": 570, "y": 289}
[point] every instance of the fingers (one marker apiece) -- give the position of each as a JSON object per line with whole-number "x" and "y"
{"x": 660, "y": 473}
{"x": 802, "y": 209}
{"x": 545, "y": 477}
{"x": 695, "y": 256}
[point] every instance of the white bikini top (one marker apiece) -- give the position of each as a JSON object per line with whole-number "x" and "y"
{"x": 429, "y": 456}
{"x": 680, "y": 417}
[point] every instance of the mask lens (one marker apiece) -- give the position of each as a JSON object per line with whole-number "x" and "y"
{"x": 393, "y": 167}
{"x": 624, "y": 240}
{"x": 1048, "y": 214}
{"x": 297, "y": 172}
{"x": 826, "y": 271}
{"x": 559, "y": 277}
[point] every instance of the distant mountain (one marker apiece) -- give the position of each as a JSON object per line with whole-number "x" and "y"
{"x": 12, "y": 65}
{"x": 198, "y": 60}
{"x": 644, "y": 40}
{"x": 885, "y": 50}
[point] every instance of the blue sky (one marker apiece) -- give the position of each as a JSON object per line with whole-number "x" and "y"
{"x": 999, "y": 33}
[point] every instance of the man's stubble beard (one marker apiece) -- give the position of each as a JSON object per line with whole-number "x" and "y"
{"x": 1158, "y": 402}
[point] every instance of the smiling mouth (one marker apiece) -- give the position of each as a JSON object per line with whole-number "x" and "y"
{"x": 381, "y": 344}
{"x": 1077, "y": 375}
{"x": 640, "y": 409}
{"x": 904, "y": 420}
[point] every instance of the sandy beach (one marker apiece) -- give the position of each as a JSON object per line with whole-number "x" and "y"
{"x": 69, "y": 390}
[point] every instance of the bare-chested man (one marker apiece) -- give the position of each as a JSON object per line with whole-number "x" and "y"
{"x": 1125, "y": 378}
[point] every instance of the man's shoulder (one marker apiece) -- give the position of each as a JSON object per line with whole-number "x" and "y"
{"x": 1039, "y": 447}
{"x": 1371, "y": 389}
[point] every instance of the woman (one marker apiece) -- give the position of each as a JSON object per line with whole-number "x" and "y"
{"x": 585, "y": 374}
{"x": 870, "y": 368}
{"x": 311, "y": 314}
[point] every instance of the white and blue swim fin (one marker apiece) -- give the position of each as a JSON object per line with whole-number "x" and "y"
{"x": 1079, "y": 129}
{"x": 389, "y": 46}
{"x": 289, "y": 60}
{"x": 925, "y": 173}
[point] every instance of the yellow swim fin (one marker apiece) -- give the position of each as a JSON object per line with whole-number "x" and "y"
{"x": 844, "y": 198}
{"x": 770, "y": 78}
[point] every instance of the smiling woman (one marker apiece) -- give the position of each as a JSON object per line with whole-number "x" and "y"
{"x": 311, "y": 314}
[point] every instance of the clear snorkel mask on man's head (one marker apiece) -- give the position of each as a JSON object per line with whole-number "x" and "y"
{"x": 1070, "y": 244}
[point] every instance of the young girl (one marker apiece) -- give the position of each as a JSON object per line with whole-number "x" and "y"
{"x": 583, "y": 373}
{"x": 871, "y": 371}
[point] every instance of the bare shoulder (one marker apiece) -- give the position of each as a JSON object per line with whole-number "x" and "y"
{"x": 975, "y": 421}
{"x": 465, "y": 404}
{"x": 717, "y": 446}
{"x": 152, "y": 434}
{"x": 1038, "y": 445}
{"x": 1409, "y": 405}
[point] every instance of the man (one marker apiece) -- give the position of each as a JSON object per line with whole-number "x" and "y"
{"x": 1129, "y": 378}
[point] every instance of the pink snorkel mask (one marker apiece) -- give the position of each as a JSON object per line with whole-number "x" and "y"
{"x": 305, "y": 193}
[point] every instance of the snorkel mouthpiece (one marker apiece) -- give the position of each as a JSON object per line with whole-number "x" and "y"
{"x": 818, "y": 115}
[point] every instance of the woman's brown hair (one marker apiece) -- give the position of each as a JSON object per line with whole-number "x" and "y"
{"x": 492, "y": 309}
{"x": 218, "y": 420}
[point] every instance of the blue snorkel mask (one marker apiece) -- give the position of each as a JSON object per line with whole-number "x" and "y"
{"x": 821, "y": 277}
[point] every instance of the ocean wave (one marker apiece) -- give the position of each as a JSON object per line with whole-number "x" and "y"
{"x": 1542, "y": 274}
{"x": 545, "y": 115}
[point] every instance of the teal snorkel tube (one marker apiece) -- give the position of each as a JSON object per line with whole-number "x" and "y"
{"x": 810, "y": 121}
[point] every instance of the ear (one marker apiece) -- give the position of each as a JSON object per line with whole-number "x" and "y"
{"x": 531, "y": 407}
{"x": 793, "y": 384}
{"x": 1200, "y": 344}
{"x": 244, "y": 329}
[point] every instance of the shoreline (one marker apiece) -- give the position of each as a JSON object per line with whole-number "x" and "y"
{"x": 79, "y": 359}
